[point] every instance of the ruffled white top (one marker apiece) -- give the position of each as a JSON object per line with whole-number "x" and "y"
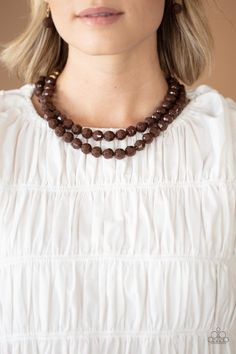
{"x": 131, "y": 256}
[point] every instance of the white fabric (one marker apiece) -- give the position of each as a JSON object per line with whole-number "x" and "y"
{"x": 132, "y": 256}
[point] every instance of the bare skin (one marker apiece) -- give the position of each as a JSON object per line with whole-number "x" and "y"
{"x": 112, "y": 77}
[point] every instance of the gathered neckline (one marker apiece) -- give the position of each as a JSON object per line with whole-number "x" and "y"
{"x": 31, "y": 86}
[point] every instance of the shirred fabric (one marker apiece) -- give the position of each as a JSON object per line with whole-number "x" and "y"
{"x": 132, "y": 256}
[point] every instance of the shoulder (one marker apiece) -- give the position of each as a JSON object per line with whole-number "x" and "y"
{"x": 212, "y": 109}
{"x": 13, "y": 97}
{"x": 212, "y": 121}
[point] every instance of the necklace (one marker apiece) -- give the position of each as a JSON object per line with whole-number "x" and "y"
{"x": 173, "y": 103}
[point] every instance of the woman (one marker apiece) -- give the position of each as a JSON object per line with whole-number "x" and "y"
{"x": 118, "y": 186}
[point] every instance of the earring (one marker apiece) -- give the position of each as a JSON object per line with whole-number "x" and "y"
{"x": 47, "y": 21}
{"x": 176, "y": 8}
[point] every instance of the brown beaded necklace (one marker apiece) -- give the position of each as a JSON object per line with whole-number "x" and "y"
{"x": 174, "y": 102}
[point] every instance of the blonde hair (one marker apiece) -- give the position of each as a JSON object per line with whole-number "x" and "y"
{"x": 185, "y": 44}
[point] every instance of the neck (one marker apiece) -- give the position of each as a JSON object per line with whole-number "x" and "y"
{"x": 110, "y": 91}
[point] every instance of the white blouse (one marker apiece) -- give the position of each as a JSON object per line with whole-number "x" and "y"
{"x": 106, "y": 256}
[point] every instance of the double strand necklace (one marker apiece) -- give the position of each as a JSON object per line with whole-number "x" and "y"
{"x": 173, "y": 103}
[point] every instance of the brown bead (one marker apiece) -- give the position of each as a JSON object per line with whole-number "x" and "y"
{"x": 170, "y": 98}
{"x": 67, "y": 123}
{"x": 162, "y": 125}
{"x": 47, "y": 93}
{"x": 155, "y": 131}
{"x": 68, "y": 137}
{"x": 49, "y": 87}
{"x": 150, "y": 120}
{"x": 167, "y": 104}
{"x": 156, "y": 115}
{"x": 120, "y": 154}
{"x": 53, "y": 123}
{"x": 148, "y": 138}
{"x": 86, "y": 148}
{"x": 173, "y": 92}
{"x": 48, "y": 106}
{"x": 121, "y": 134}
{"x": 60, "y": 117}
{"x": 48, "y": 22}
{"x": 161, "y": 110}
{"x": 76, "y": 143}
{"x": 155, "y": 125}
{"x": 139, "y": 145}
{"x": 96, "y": 151}
{"x": 50, "y": 80}
{"x": 130, "y": 150}
{"x": 131, "y": 130}
{"x": 141, "y": 126}
{"x": 48, "y": 115}
{"x": 87, "y": 133}
{"x": 97, "y": 135}
{"x": 45, "y": 99}
{"x": 76, "y": 128}
{"x": 109, "y": 135}
{"x": 59, "y": 130}
{"x": 39, "y": 84}
{"x": 108, "y": 153}
{"x": 167, "y": 118}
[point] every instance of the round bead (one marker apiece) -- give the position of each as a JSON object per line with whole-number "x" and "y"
{"x": 139, "y": 145}
{"x": 60, "y": 117}
{"x": 148, "y": 138}
{"x": 67, "y": 123}
{"x": 167, "y": 104}
{"x": 120, "y": 154}
{"x": 86, "y": 148}
{"x": 50, "y": 80}
{"x": 156, "y": 115}
{"x": 97, "y": 135}
{"x": 39, "y": 84}
{"x": 46, "y": 93}
{"x": 76, "y": 128}
{"x": 109, "y": 135}
{"x": 108, "y": 153}
{"x": 121, "y": 134}
{"x": 68, "y": 137}
{"x": 155, "y": 131}
{"x": 87, "y": 133}
{"x": 150, "y": 120}
{"x": 130, "y": 150}
{"x": 96, "y": 151}
{"x": 48, "y": 115}
{"x": 162, "y": 125}
{"x": 173, "y": 92}
{"x": 131, "y": 130}
{"x": 141, "y": 126}
{"x": 59, "y": 130}
{"x": 161, "y": 110}
{"x": 76, "y": 143}
{"x": 170, "y": 98}
{"x": 53, "y": 123}
{"x": 167, "y": 118}
{"x": 45, "y": 99}
{"x": 47, "y": 22}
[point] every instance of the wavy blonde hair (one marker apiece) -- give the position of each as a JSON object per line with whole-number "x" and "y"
{"x": 185, "y": 44}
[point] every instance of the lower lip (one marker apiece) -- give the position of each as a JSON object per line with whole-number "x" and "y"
{"x": 100, "y": 20}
